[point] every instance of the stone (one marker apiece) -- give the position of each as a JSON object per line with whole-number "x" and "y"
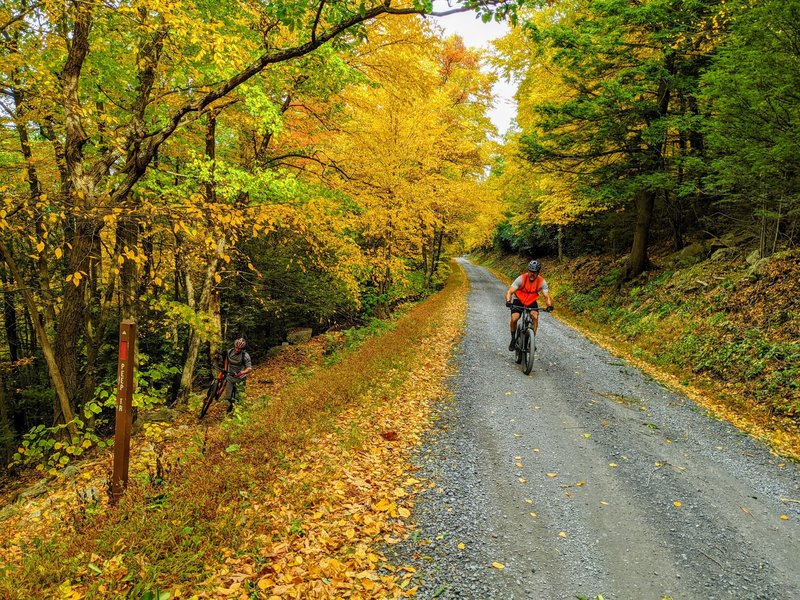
{"x": 70, "y": 472}
{"x": 724, "y": 254}
{"x": 757, "y": 270}
{"x": 753, "y": 257}
{"x": 275, "y": 350}
{"x": 695, "y": 250}
{"x": 299, "y": 335}
{"x": 35, "y": 490}
{"x": 160, "y": 415}
{"x": 733, "y": 241}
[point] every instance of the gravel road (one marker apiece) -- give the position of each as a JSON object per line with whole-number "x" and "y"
{"x": 590, "y": 478}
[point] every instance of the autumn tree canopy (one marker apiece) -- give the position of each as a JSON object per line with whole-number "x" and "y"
{"x": 173, "y": 161}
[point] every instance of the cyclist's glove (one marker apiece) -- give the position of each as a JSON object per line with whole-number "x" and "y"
{"x": 549, "y": 309}
{"x": 509, "y": 304}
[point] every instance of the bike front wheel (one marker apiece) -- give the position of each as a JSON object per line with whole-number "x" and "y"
{"x": 530, "y": 351}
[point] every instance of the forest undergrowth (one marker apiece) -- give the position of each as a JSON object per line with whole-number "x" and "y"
{"x": 710, "y": 329}
{"x": 293, "y": 496}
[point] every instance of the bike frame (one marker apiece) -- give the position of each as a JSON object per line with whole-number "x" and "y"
{"x": 217, "y": 389}
{"x": 524, "y": 354}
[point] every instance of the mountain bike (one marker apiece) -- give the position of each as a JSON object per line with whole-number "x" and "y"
{"x": 525, "y": 345}
{"x": 215, "y": 391}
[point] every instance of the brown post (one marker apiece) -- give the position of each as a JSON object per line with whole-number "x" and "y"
{"x": 122, "y": 429}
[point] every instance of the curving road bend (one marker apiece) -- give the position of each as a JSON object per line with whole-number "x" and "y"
{"x": 589, "y": 478}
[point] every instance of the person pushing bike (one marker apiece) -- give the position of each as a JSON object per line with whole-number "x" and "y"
{"x": 237, "y": 366}
{"x": 524, "y": 292}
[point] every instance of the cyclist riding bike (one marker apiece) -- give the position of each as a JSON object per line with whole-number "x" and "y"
{"x": 237, "y": 366}
{"x": 524, "y": 292}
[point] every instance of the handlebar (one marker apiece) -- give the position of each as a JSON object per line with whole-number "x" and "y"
{"x": 222, "y": 373}
{"x": 530, "y": 308}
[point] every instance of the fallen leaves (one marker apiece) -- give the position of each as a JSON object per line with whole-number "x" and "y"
{"x": 498, "y": 565}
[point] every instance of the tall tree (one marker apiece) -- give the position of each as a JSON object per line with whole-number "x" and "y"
{"x": 752, "y": 86}
{"x": 628, "y": 125}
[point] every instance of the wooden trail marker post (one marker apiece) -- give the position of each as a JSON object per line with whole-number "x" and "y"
{"x": 122, "y": 426}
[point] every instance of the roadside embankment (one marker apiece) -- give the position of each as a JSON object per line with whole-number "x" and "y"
{"x": 292, "y": 496}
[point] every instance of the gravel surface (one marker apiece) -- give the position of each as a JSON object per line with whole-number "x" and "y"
{"x": 590, "y": 478}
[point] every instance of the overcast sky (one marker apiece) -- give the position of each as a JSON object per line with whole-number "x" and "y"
{"x": 477, "y": 33}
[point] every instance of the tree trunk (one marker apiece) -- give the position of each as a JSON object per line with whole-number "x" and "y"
{"x": 560, "y": 238}
{"x": 215, "y": 309}
{"x": 128, "y": 241}
{"x": 638, "y": 260}
{"x": 187, "y": 376}
{"x": 52, "y": 365}
{"x": 72, "y": 319}
{"x": 10, "y": 318}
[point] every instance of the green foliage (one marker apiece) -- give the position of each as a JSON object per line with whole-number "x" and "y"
{"x": 50, "y": 449}
{"x": 752, "y": 85}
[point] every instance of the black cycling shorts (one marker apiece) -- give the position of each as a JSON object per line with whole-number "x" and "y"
{"x": 516, "y": 305}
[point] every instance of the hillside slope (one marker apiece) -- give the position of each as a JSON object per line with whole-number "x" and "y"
{"x": 296, "y": 494}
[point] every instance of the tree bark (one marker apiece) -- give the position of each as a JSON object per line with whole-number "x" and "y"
{"x": 638, "y": 260}
{"x": 72, "y": 319}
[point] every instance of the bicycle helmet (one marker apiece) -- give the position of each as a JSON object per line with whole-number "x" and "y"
{"x": 534, "y": 266}
{"x": 239, "y": 345}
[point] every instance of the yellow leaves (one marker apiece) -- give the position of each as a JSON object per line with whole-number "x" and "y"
{"x": 40, "y": 247}
{"x": 552, "y": 475}
{"x": 75, "y": 277}
{"x": 522, "y": 480}
{"x": 562, "y": 535}
{"x": 677, "y": 504}
{"x": 613, "y": 465}
{"x": 403, "y": 512}
{"x": 461, "y": 546}
{"x": 784, "y": 517}
{"x": 59, "y": 252}
{"x": 498, "y": 565}
{"x": 385, "y": 505}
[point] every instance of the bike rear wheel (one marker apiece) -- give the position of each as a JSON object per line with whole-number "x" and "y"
{"x": 214, "y": 392}
{"x": 530, "y": 351}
